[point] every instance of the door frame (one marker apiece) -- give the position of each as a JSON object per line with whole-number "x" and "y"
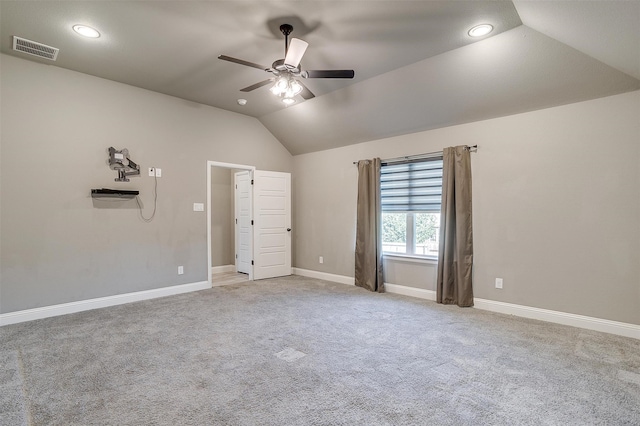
{"x": 237, "y": 227}
{"x": 211, "y": 164}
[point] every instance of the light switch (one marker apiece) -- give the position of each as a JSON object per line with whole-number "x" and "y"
{"x": 198, "y": 207}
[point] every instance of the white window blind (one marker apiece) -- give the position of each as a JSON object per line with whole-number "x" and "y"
{"x": 412, "y": 186}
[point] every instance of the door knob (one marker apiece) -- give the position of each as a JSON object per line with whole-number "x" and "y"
{"x": 288, "y": 229}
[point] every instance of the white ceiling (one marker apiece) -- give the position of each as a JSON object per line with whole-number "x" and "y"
{"x": 415, "y": 66}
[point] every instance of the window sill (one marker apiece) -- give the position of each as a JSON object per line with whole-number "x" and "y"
{"x": 410, "y": 258}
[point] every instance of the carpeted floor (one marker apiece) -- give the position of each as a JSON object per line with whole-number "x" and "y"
{"x": 299, "y": 351}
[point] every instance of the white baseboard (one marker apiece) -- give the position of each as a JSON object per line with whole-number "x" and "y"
{"x": 574, "y": 320}
{"x": 222, "y": 269}
{"x": 324, "y": 276}
{"x": 420, "y": 293}
{"x": 101, "y": 302}
{"x": 581, "y": 321}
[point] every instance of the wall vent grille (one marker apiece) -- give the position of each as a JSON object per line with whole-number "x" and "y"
{"x": 34, "y": 48}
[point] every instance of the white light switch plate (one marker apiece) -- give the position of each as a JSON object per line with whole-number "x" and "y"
{"x": 198, "y": 207}
{"x": 158, "y": 172}
{"x": 152, "y": 171}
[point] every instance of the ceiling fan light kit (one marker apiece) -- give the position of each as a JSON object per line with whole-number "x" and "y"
{"x": 285, "y": 84}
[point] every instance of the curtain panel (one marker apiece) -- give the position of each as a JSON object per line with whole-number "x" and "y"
{"x": 368, "y": 256}
{"x": 455, "y": 252}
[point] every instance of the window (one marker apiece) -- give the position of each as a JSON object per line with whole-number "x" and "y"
{"x": 411, "y": 193}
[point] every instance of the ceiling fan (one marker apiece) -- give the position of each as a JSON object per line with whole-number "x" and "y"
{"x": 287, "y": 71}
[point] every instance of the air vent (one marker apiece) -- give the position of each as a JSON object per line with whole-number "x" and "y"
{"x": 34, "y": 48}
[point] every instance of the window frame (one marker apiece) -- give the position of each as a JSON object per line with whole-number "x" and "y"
{"x": 411, "y": 241}
{"x": 410, "y": 236}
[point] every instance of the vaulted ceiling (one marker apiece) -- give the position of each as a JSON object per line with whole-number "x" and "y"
{"x": 415, "y": 66}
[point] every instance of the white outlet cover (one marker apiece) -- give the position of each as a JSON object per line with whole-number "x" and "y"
{"x": 158, "y": 172}
{"x": 498, "y": 282}
{"x": 180, "y": 270}
{"x": 152, "y": 171}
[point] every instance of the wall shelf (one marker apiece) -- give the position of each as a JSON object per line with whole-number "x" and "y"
{"x": 114, "y": 193}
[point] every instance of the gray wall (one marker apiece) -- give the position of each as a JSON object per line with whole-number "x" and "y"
{"x": 222, "y": 217}
{"x": 556, "y": 207}
{"x": 57, "y": 245}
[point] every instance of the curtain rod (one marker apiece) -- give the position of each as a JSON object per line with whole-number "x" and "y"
{"x": 473, "y": 148}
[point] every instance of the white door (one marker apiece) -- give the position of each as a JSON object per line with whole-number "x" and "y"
{"x": 243, "y": 232}
{"x": 272, "y": 224}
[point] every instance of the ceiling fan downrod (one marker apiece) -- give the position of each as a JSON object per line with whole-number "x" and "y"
{"x": 286, "y": 29}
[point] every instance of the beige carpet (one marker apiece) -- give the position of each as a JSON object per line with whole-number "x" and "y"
{"x": 299, "y": 351}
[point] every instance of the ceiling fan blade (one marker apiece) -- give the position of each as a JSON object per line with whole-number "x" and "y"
{"x": 241, "y": 62}
{"x": 257, "y": 85}
{"x": 296, "y": 50}
{"x": 329, "y": 73}
{"x": 306, "y": 93}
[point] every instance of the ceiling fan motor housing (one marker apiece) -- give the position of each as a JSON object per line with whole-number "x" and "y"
{"x": 281, "y": 66}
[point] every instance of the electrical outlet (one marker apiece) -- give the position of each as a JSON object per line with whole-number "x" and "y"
{"x": 180, "y": 270}
{"x": 321, "y": 259}
{"x": 158, "y": 172}
{"x": 498, "y": 282}
{"x": 152, "y": 171}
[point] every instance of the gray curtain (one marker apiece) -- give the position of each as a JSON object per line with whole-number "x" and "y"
{"x": 368, "y": 273}
{"x": 455, "y": 254}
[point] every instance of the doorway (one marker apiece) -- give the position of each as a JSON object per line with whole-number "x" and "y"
{"x": 266, "y": 213}
{"x": 229, "y": 168}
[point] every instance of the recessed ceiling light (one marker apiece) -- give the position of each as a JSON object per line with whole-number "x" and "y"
{"x": 288, "y": 101}
{"x": 480, "y": 30}
{"x": 242, "y": 102}
{"x": 83, "y": 30}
